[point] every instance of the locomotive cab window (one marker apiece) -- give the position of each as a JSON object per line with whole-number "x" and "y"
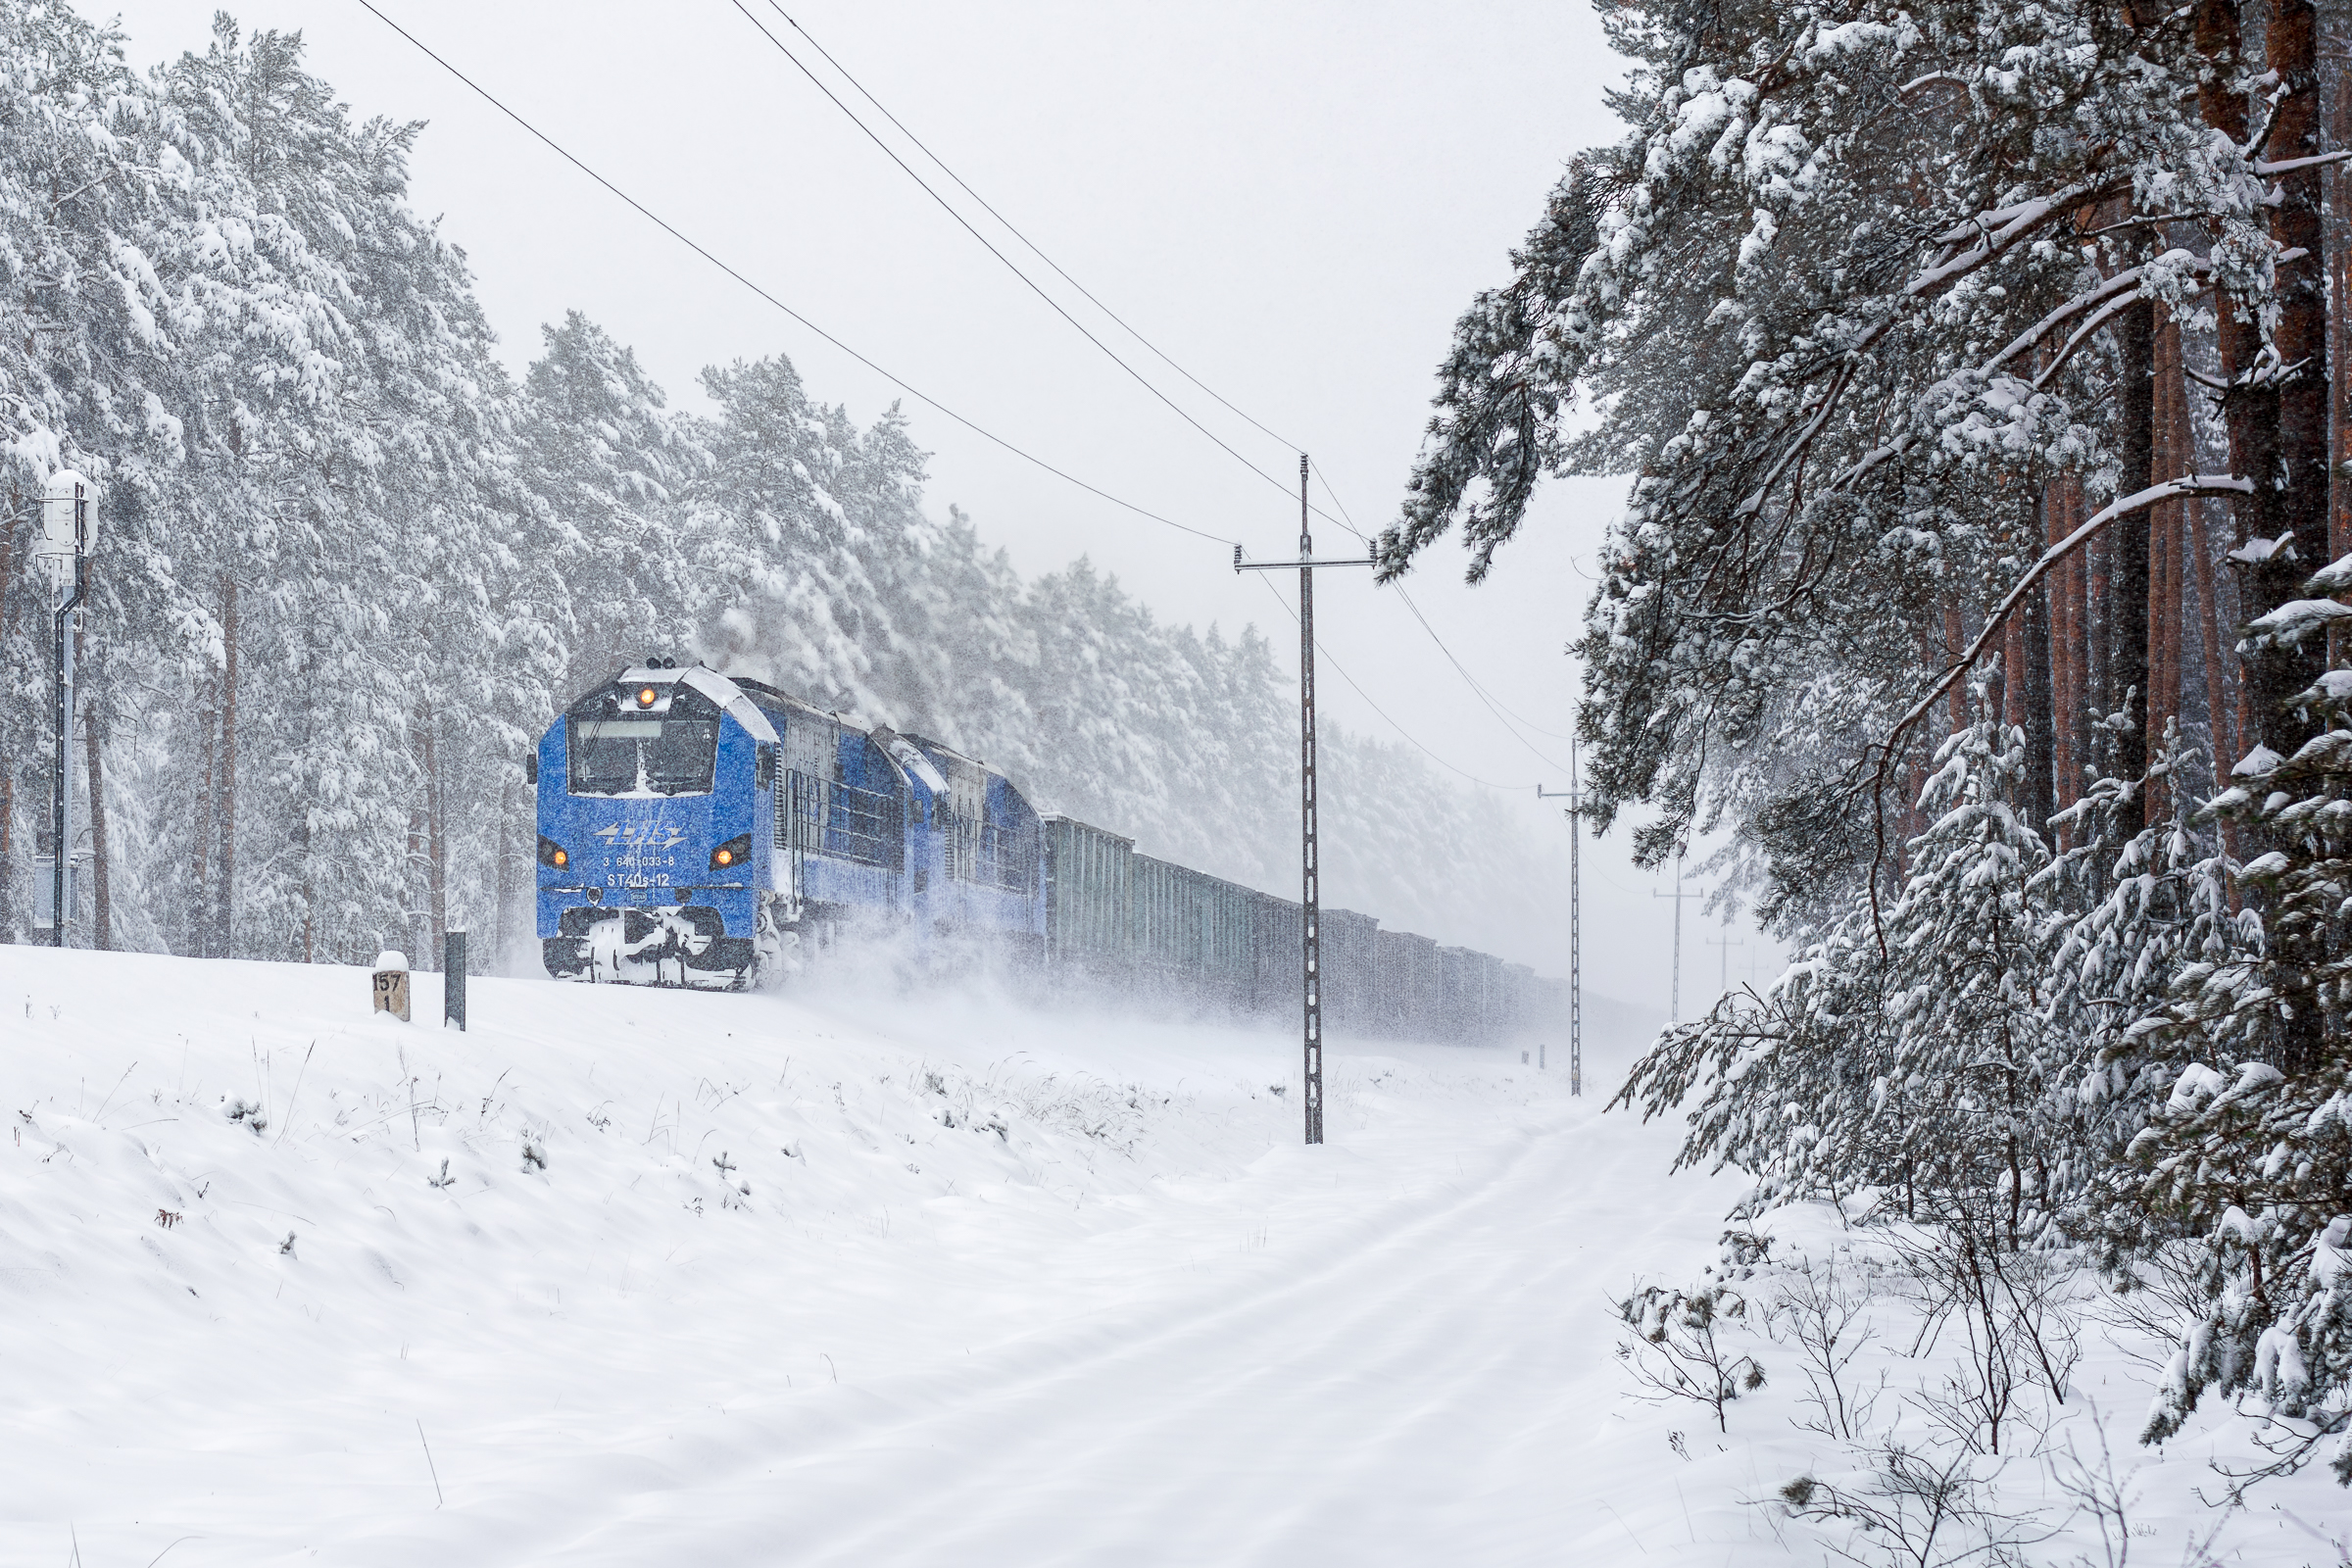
{"x": 622, "y": 747}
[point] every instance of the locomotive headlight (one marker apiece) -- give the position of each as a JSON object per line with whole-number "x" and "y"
{"x": 736, "y": 852}
{"x": 552, "y": 853}
{"x": 646, "y": 695}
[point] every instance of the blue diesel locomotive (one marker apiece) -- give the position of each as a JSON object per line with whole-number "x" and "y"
{"x": 698, "y": 830}
{"x": 694, "y": 828}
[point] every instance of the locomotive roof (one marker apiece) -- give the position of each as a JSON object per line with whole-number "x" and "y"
{"x": 711, "y": 683}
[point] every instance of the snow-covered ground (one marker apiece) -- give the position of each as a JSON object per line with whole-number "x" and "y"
{"x": 646, "y": 1277}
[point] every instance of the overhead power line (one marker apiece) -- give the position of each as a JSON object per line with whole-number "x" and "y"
{"x": 1493, "y": 705}
{"x": 1010, "y": 265}
{"x": 1014, "y": 229}
{"x": 1325, "y": 653}
{"x": 673, "y": 233}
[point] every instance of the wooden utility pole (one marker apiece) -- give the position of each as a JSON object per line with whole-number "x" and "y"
{"x": 1310, "y": 901}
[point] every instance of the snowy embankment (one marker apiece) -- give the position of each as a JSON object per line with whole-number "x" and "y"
{"x": 630, "y": 1277}
{"x": 626, "y": 1276}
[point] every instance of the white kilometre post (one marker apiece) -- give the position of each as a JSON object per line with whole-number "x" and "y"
{"x": 1310, "y": 874}
{"x": 69, "y": 532}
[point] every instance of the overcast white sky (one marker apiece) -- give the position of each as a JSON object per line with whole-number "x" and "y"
{"x": 1294, "y": 200}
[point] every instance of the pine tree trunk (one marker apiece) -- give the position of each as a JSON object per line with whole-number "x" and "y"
{"x": 2164, "y": 460}
{"x": 102, "y": 928}
{"x": 436, "y": 865}
{"x": 225, "y": 922}
{"x": 2062, "y": 643}
{"x": 1955, "y": 641}
{"x": 2334, "y": 51}
{"x": 2127, "y": 614}
{"x": 200, "y": 897}
{"x": 2209, "y": 628}
{"x": 503, "y": 929}
{"x": 2042, "y": 716}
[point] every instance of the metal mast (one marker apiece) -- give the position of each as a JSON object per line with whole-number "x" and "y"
{"x": 1572, "y": 811}
{"x": 1310, "y": 901}
{"x": 1674, "y": 1012}
{"x": 1310, "y": 904}
{"x": 1727, "y": 942}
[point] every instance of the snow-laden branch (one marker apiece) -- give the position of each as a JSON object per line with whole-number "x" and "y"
{"x": 1995, "y": 235}
{"x": 2188, "y": 485}
{"x": 2287, "y": 166}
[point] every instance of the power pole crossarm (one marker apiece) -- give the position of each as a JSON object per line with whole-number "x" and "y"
{"x": 1310, "y": 892}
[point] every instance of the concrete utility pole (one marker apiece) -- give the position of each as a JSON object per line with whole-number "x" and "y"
{"x": 1727, "y": 944}
{"x": 1310, "y": 902}
{"x": 1574, "y": 795}
{"x": 1674, "y": 1012}
{"x": 68, "y": 531}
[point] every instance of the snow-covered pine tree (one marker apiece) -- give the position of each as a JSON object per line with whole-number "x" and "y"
{"x": 1917, "y": 1070}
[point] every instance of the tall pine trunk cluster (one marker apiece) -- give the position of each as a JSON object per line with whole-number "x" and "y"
{"x": 1983, "y": 372}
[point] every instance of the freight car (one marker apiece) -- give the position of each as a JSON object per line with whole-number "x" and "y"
{"x": 699, "y": 830}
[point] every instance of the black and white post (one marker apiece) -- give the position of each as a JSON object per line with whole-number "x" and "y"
{"x": 1311, "y": 906}
{"x": 1574, "y": 795}
{"x": 69, "y": 530}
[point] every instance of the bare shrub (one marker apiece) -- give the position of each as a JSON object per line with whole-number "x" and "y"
{"x": 1676, "y": 1349}
{"x": 2152, "y": 1299}
{"x": 1917, "y": 1509}
{"x": 1827, "y": 1318}
{"x": 2011, "y": 1310}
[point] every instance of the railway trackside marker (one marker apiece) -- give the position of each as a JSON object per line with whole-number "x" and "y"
{"x": 391, "y": 986}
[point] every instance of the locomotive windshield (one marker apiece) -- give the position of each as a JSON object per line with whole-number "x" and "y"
{"x": 617, "y": 750}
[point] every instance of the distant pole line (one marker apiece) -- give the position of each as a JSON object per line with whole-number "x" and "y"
{"x": 673, "y": 233}
{"x": 1674, "y": 1010}
{"x": 1727, "y": 944}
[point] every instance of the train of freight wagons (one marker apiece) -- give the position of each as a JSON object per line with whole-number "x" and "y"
{"x": 697, "y": 829}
